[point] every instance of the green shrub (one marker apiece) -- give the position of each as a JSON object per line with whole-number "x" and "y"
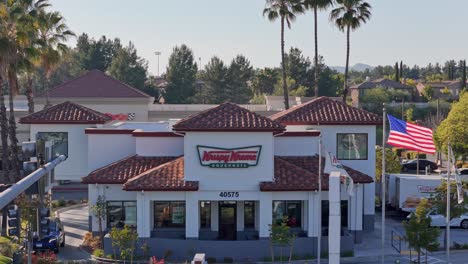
{"x": 7, "y": 247}
{"x": 109, "y": 256}
{"x": 98, "y": 253}
{"x": 61, "y": 203}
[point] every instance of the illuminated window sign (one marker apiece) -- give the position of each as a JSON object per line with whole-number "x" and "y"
{"x": 215, "y": 157}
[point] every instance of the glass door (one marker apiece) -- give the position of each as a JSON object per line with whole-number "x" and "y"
{"x": 227, "y": 221}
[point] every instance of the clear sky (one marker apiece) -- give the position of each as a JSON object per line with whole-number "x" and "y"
{"x": 415, "y": 31}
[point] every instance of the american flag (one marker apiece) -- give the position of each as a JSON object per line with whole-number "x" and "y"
{"x": 410, "y": 136}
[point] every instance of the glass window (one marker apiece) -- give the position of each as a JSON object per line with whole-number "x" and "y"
{"x": 291, "y": 210}
{"x": 121, "y": 213}
{"x": 59, "y": 142}
{"x": 326, "y": 212}
{"x": 351, "y": 146}
{"x": 249, "y": 214}
{"x": 205, "y": 214}
{"x": 169, "y": 214}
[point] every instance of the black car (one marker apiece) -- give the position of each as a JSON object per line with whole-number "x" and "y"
{"x": 423, "y": 163}
{"x": 54, "y": 239}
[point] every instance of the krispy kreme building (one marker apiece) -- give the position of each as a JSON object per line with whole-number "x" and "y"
{"x": 215, "y": 181}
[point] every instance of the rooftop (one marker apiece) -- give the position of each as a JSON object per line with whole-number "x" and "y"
{"x": 326, "y": 111}
{"x": 66, "y": 113}
{"x": 382, "y": 82}
{"x": 95, "y": 84}
{"x": 227, "y": 117}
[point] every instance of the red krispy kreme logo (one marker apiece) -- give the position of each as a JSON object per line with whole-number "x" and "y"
{"x": 215, "y": 157}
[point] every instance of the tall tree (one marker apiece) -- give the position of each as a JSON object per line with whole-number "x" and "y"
{"x": 53, "y": 33}
{"x": 128, "y": 67}
{"x": 181, "y": 75}
{"x": 264, "y": 81}
{"x": 96, "y": 55}
{"x": 298, "y": 68}
{"x": 397, "y": 72}
{"x": 349, "y": 16}
{"x": 463, "y": 79}
{"x": 239, "y": 74}
{"x": 316, "y": 5}
{"x": 286, "y": 11}
{"x": 215, "y": 81}
{"x": 401, "y": 70}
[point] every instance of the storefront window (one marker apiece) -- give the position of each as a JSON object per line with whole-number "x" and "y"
{"x": 249, "y": 214}
{"x": 290, "y": 210}
{"x": 205, "y": 214}
{"x": 121, "y": 213}
{"x": 351, "y": 146}
{"x": 169, "y": 214}
{"x": 59, "y": 142}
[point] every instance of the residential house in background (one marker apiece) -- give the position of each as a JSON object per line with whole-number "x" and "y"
{"x": 358, "y": 90}
{"x": 452, "y": 92}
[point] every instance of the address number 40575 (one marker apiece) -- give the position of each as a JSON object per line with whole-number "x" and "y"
{"x": 229, "y": 194}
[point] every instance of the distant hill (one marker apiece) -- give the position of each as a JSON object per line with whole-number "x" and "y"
{"x": 356, "y": 67}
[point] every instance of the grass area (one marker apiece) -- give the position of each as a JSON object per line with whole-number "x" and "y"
{"x": 4, "y": 240}
{"x": 4, "y": 260}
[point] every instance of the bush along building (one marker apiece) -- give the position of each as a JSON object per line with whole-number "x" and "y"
{"x": 214, "y": 182}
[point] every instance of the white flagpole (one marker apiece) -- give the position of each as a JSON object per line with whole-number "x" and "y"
{"x": 447, "y": 218}
{"x": 319, "y": 236}
{"x": 382, "y": 180}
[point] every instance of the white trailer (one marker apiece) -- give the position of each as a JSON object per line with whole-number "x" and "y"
{"x": 405, "y": 191}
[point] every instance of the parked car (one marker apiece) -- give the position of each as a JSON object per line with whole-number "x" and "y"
{"x": 439, "y": 220}
{"x": 53, "y": 240}
{"x": 463, "y": 171}
{"x": 423, "y": 163}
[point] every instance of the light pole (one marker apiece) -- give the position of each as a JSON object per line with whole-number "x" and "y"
{"x": 158, "y": 53}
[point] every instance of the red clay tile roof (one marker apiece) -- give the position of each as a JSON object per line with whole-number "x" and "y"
{"x": 325, "y": 111}
{"x": 66, "y": 113}
{"x": 166, "y": 177}
{"x": 228, "y": 117}
{"x": 289, "y": 177}
{"x": 310, "y": 163}
{"x": 95, "y": 84}
{"x": 300, "y": 173}
{"x": 122, "y": 170}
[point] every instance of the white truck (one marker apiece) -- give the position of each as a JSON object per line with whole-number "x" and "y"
{"x": 404, "y": 191}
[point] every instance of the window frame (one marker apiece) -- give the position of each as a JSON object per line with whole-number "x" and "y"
{"x": 172, "y": 226}
{"x": 122, "y": 206}
{"x": 252, "y": 225}
{"x": 284, "y": 204}
{"x": 209, "y": 224}
{"x": 38, "y": 138}
{"x": 359, "y": 133}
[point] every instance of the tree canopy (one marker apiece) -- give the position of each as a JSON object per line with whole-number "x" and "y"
{"x": 454, "y": 128}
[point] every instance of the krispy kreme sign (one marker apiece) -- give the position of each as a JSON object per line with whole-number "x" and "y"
{"x": 215, "y": 157}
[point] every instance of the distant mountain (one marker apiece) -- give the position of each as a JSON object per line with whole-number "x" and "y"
{"x": 356, "y": 67}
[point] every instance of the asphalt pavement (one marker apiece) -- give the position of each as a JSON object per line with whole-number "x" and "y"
{"x": 75, "y": 222}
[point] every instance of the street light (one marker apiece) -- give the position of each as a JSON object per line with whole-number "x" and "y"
{"x": 158, "y": 53}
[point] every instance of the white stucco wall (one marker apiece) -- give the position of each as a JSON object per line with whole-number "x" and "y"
{"x": 75, "y": 166}
{"x": 296, "y": 146}
{"x": 229, "y": 179}
{"x": 365, "y": 166}
{"x": 159, "y": 146}
{"x": 106, "y": 148}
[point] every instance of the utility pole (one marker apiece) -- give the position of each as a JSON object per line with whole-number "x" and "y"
{"x": 158, "y": 53}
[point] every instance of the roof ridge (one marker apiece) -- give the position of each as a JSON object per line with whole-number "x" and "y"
{"x": 87, "y": 74}
{"x": 316, "y": 99}
{"x": 176, "y": 159}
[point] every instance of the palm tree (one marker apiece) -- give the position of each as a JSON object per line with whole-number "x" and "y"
{"x": 349, "y": 15}
{"x": 17, "y": 34}
{"x": 316, "y": 5}
{"x": 53, "y": 32}
{"x": 286, "y": 11}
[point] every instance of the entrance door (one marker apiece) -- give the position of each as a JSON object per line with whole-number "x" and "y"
{"x": 227, "y": 221}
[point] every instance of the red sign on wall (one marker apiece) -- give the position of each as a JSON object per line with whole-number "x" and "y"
{"x": 243, "y": 157}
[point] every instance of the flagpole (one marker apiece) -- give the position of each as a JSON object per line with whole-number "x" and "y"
{"x": 447, "y": 218}
{"x": 382, "y": 180}
{"x": 319, "y": 236}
